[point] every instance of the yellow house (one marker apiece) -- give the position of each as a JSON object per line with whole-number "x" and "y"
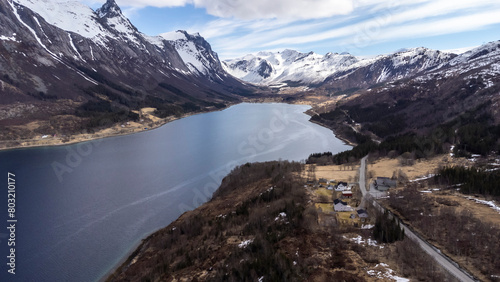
{"x": 322, "y": 181}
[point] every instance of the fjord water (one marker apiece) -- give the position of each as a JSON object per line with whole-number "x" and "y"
{"x": 82, "y": 208}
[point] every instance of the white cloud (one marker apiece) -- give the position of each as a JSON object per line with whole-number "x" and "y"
{"x": 153, "y": 3}
{"x": 400, "y": 22}
{"x": 280, "y": 9}
{"x": 257, "y": 9}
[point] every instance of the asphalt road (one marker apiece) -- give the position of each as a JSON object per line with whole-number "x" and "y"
{"x": 448, "y": 264}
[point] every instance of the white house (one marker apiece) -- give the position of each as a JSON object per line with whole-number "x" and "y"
{"x": 341, "y": 206}
{"x": 342, "y": 186}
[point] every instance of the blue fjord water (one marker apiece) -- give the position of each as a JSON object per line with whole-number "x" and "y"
{"x": 82, "y": 208}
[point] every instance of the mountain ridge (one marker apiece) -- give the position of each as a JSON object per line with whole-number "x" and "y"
{"x": 313, "y": 69}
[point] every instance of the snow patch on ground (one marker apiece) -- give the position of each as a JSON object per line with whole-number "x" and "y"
{"x": 491, "y": 204}
{"x": 245, "y": 243}
{"x": 281, "y": 216}
{"x": 423, "y": 178}
{"x": 361, "y": 241}
{"x": 383, "y": 271}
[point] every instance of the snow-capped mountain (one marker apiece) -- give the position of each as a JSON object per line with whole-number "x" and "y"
{"x": 275, "y": 68}
{"x": 55, "y": 50}
{"x": 195, "y": 51}
{"x": 387, "y": 68}
{"x": 269, "y": 68}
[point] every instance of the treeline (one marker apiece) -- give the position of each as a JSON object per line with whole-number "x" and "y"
{"x": 387, "y": 230}
{"x": 122, "y": 100}
{"x": 103, "y": 113}
{"x": 470, "y": 180}
{"x": 477, "y": 138}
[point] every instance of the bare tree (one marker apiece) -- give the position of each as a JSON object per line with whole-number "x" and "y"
{"x": 311, "y": 173}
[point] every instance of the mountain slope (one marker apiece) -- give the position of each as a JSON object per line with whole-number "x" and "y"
{"x": 62, "y": 58}
{"x": 387, "y": 68}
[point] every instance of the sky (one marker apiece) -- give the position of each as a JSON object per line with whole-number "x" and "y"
{"x": 235, "y": 28}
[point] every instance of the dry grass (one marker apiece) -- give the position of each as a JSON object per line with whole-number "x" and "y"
{"x": 326, "y": 208}
{"x": 325, "y": 193}
{"x": 336, "y": 172}
{"x": 386, "y": 167}
{"x": 479, "y": 211}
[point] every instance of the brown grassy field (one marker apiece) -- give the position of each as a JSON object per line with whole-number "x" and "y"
{"x": 337, "y": 172}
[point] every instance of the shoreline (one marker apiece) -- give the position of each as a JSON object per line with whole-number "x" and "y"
{"x": 344, "y": 139}
{"x": 116, "y": 130}
{"x": 107, "y": 132}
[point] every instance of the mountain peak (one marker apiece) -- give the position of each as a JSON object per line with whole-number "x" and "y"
{"x": 109, "y": 9}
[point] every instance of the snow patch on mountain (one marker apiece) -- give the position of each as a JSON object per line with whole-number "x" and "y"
{"x": 8, "y": 38}
{"x": 199, "y": 59}
{"x": 71, "y": 16}
{"x": 485, "y": 59}
{"x": 174, "y": 36}
{"x": 112, "y": 14}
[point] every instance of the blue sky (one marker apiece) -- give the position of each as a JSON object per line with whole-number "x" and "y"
{"x": 361, "y": 27}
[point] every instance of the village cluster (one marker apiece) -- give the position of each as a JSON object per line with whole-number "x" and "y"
{"x": 340, "y": 202}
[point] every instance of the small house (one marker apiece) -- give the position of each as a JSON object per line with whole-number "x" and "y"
{"x": 362, "y": 213}
{"x": 322, "y": 182}
{"x": 341, "y": 206}
{"x": 329, "y": 187}
{"x": 346, "y": 194}
{"x": 341, "y": 186}
{"x": 384, "y": 183}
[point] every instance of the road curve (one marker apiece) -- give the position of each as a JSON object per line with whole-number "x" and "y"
{"x": 448, "y": 264}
